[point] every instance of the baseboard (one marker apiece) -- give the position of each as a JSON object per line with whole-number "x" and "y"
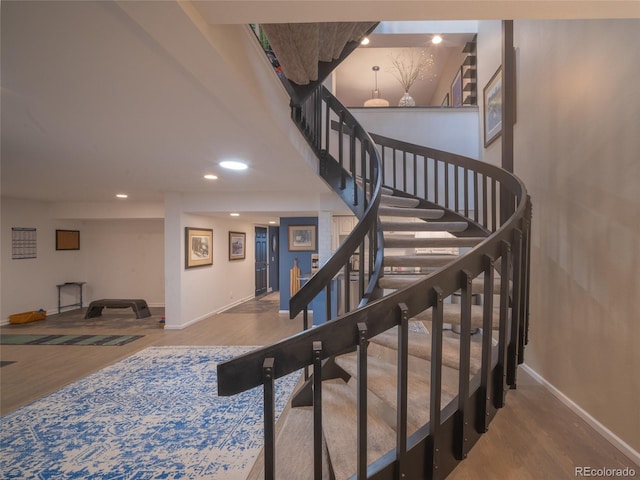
{"x": 235, "y": 304}
{"x": 207, "y": 315}
{"x": 611, "y": 437}
{"x": 190, "y": 322}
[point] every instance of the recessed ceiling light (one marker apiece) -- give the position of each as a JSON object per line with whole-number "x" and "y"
{"x": 234, "y": 214}
{"x": 122, "y": 195}
{"x": 436, "y": 39}
{"x": 272, "y": 222}
{"x": 210, "y": 177}
{"x": 365, "y": 41}
{"x": 233, "y": 165}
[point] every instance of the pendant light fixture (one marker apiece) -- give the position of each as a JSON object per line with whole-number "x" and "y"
{"x": 376, "y": 100}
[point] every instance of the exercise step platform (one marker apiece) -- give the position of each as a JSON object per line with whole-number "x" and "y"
{"x": 139, "y": 306}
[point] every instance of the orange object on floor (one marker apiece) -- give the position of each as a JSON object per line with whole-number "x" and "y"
{"x": 27, "y": 317}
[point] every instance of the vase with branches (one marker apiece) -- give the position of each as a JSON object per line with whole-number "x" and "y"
{"x": 407, "y": 67}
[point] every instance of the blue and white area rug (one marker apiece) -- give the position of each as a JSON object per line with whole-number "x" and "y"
{"x": 154, "y": 415}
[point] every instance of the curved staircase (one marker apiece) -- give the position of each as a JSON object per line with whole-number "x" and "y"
{"x": 407, "y": 257}
{"x": 403, "y": 385}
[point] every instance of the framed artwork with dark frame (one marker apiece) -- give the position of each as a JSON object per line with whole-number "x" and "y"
{"x": 198, "y": 247}
{"x": 492, "y": 100}
{"x": 302, "y": 238}
{"x": 237, "y": 245}
{"x": 67, "y": 239}
{"x": 456, "y": 89}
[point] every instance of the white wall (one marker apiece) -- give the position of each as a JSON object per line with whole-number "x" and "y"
{"x": 123, "y": 259}
{"x": 197, "y": 293}
{"x": 30, "y": 284}
{"x": 577, "y": 149}
{"x": 117, "y": 259}
{"x": 454, "y": 130}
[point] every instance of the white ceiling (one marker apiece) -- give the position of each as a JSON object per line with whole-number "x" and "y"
{"x": 147, "y": 97}
{"x": 94, "y": 103}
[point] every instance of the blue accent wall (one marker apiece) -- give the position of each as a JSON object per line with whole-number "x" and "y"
{"x": 287, "y": 257}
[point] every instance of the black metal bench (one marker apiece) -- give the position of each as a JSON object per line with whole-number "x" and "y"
{"x": 139, "y": 306}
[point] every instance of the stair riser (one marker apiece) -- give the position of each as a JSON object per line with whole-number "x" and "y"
{"x": 391, "y": 201}
{"x": 424, "y": 261}
{"x": 451, "y": 315}
{"x": 411, "y": 212}
{"x": 396, "y": 282}
{"x": 438, "y": 242}
{"x": 425, "y": 227}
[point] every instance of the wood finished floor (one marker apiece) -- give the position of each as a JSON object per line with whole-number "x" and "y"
{"x": 534, "y": 437}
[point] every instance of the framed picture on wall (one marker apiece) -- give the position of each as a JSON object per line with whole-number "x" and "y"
{"x": 456, "y": 90}
{"x": 492, "y": 96}
{"x": 198, "y": 243}
{"x": 67, "y": 239}
{"x": 237, "y": 245}
{"x": 302, "y": 238}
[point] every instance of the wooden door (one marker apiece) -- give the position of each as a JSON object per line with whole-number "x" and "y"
{"x": 261, "y": 260}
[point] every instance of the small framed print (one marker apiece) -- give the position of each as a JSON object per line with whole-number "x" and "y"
{"x": 456, "y": 90}
{"x": 198, "y": 247}
{"x": 237, "y": 245}
{"x": 67, "y": 239}
{"x": 302, "y": 238}
{"x": 492, "y": 96}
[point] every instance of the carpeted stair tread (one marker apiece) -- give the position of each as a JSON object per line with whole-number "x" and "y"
{"x": 294, "y": 447}
{"x": 431, "y": 213}
{"x": 393, "y": 201}
{"x": 420, "y": 346}
{"x": 451, "y": 314}
{"x": 381, "y": 381}
{"x": 427, "y": 260}
{"x": 339, "y": 422}
{"x": 424, "y": 226}
{"x": 404, "y": 241}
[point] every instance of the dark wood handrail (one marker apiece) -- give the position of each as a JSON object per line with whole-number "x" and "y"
{"x": 367, "y": 218}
